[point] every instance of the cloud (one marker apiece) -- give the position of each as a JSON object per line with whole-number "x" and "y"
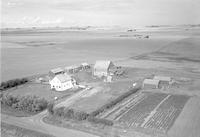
{"x": 100, "y": 12}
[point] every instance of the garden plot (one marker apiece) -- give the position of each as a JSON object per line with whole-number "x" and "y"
{"x": 167, "y": 112}
{"x": 154, "y": 111}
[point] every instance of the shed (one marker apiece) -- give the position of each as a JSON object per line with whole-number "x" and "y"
{"x": 62, "y": 82}
{"x": 73, "y": 68}
{"x": 150, "y": 83}
{"x": 85, "y": 66}
{"x": 102, "y": 67}
{"x": 56, "y": 71}
{"x": 163, "y": 80}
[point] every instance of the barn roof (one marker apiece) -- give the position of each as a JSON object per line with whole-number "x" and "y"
{"x": 151, "y": 82}
{"x": 162, "y": 78}
{"x": 63, "y": 77}
{"x": 57, "y": 70}
{"x": 102, "y": 64}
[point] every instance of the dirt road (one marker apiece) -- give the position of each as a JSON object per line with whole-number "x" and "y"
{"x": 36, "y": 123}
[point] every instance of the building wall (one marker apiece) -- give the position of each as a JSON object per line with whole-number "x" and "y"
{"x": 100, "y": 73}
{"x": 149, "y": 86}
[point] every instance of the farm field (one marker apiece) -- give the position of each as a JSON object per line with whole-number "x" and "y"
{"x": 40, "y": 51}
{"x": 187, "y": 124}
{"x": 155, "y": 111}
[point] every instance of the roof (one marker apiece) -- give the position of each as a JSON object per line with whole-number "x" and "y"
{"x": 102, "y": 64}
{"x": 84, "y": 64}
{"x": 72, "y": 67}
{"x": 57, "y": 70}
{"x": 151, "y": 81}
{"x": 162, "y": 78}
{"x": 63, "y": 77}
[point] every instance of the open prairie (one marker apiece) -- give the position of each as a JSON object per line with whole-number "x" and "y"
{"x": 28, "y": 52}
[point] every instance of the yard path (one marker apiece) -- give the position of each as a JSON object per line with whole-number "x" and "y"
{"x": 72, "y": 99}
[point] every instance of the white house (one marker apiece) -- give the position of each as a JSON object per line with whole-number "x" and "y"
{"x": 62, "y": 82}
{"x": 102, "y": 67}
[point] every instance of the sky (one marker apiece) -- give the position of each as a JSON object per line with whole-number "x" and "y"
{"x": 66, "y": 13}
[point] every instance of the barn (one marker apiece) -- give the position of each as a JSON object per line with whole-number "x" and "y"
{"x": 150, "y": 84}
{"x": 164, "y": 81}
{"x": 62, "y": 82}
{"x": 56, "y": 71}
{"x": 102, "y": 67}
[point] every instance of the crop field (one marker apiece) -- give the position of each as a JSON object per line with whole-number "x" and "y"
{"x": 166, "y": 114}
{"x": 156, "y": 111}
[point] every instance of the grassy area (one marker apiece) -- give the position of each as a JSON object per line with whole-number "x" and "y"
{"x": 100, "y": 95}
{"x": 41, "y": 90}
{"x": 188, "y": 123}
{"x": 14, "y": 131}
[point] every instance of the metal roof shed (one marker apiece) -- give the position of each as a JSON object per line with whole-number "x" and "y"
{"x": 150, "y": 83}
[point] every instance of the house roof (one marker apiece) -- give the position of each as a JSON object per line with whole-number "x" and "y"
{"x": 162, "y": 78}
{"x": 102, "y": 64}
{"x": 151, "y": 82}
{"x": 63, "y": 77}
{"x": 57, "y": 70}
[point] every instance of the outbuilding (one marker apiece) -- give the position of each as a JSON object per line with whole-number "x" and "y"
{"x": 85, "y": 66}
{"x": 56, "y": 71}
{"x": 62, "y": 82}
{"x": 150, "y": 84}
{"x": 73, "y": 69}
{"x": 164, "y": 81}
{"x": 102, "y": 68}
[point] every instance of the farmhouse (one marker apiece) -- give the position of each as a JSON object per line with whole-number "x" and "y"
{"x": 62, "y": 82}
{"x": 56, "y": 71}
{"x": 102, "y": 68}
{"x": 150, "y": 83}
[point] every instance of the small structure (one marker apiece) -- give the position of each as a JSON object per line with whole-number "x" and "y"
{"x": 62, "y": 82}
{"x": 85, "y": 66}
{"x": 109, "y": 78}
{"x": 164, "y": 81}
{"x": 150, "y": 83}
{"x": 56, "y": 71}
{"x": 102, "y": 68}
{"x": 73, "y": 69}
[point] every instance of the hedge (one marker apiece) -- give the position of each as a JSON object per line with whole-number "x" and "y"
{"x": 69, "y": 113}
{"x": 13, "y": 83}
{"x": 25, "y": 103}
